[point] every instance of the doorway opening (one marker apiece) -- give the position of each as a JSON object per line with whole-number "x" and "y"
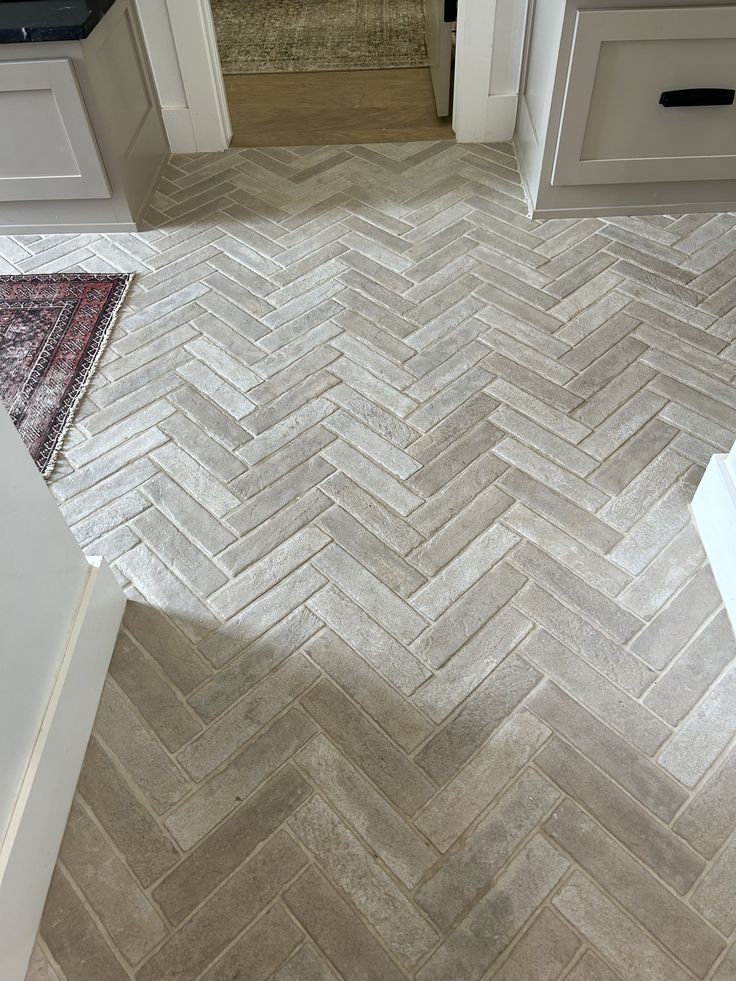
{"x": 307, "y": 72}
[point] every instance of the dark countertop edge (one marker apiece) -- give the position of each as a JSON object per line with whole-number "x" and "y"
{"x": 79, "y": 26}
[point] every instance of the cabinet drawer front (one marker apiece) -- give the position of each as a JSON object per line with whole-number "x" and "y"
{"x": 53, "y": 154}
{"x": 613, "y": 128}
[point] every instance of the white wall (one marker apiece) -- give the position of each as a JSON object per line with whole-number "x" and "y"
{"x": 42, "y": 576}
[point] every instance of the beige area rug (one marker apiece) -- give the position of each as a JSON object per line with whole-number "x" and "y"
{"x": 256, "y": 36}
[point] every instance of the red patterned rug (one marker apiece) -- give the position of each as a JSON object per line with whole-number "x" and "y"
{"x": 53, "y": 329}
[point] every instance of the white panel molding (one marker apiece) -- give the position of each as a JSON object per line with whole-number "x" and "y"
{"x": 31, "y": 843}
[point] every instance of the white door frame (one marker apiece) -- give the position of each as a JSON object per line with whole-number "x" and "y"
{"x": 182, "y": 50}
{"x": 473, "y": 56}
{"x": 488, "y": 55}
{"x": 199, "y": 60}
{"x": 486, "y": 75}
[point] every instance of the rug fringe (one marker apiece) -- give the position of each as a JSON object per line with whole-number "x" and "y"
{"x": 48, "y": 470}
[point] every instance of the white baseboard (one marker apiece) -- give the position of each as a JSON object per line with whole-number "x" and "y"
{"x": 493, "y": 123}
{"x": 29, "y": 849}
{"x": 501, "y": 118}
{"x": 179, "y": 130}
{"x": 714, "y": 511}
{"x": 76, "y": 229}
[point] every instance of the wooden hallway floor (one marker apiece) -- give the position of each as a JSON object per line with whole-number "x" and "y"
{"x": 330, "y": 108}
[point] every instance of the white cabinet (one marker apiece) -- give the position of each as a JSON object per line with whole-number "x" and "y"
{"x": 53, "y": 154}
{"x": 88, "y": 142}
{"x": 629, "y": 109}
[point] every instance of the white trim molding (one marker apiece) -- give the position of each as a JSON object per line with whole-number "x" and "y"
{"x": 182, "y": 50}
{"x": 488, "y": 55}
{"x": 714, "y": 511}
{"x": 501, "y": 113}
{"x": 31, "y": 842}
{"x": 473, "y": 53}
{"x": 193, "y": 30}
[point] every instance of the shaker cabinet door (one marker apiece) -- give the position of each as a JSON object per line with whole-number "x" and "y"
{"x": 649, "y": 96}
{"x": 49, "y": 150}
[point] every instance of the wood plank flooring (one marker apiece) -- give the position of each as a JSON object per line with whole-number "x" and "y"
{"x": 329, "y": 108}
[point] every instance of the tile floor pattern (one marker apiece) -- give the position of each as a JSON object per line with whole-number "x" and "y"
{"x": 424, "y": 675}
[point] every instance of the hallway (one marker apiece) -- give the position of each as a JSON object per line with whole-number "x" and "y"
{"x": 333, "y": 108}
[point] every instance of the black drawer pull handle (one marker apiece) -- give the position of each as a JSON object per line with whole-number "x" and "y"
{"x": 697, "y": 97}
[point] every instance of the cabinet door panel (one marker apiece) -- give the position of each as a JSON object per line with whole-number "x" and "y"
{"x": 53, "y": 154}
{"x": 613, "y": 128}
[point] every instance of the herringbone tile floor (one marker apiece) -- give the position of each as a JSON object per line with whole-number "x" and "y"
{"x": 423, "y": 674}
